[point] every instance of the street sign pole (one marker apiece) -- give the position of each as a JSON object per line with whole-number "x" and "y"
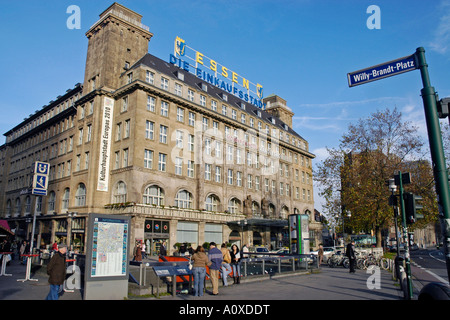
{"x": 405, "y": 238}
{"x": 437, "y": 153}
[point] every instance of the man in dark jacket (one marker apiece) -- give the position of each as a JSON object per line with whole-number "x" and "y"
{"x": 351, "y": 255}
{"x": 56, "y": 269}
{"x": 216, "y": 258}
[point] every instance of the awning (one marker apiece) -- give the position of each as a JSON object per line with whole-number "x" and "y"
{"x": 5, "y": 226}
{"x": 260, "y": 222}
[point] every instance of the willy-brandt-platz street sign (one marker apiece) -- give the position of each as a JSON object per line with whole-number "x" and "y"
{"x": 383, "y": 70}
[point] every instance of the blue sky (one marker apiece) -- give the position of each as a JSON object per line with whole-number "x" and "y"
{"x": 300, "y": 50}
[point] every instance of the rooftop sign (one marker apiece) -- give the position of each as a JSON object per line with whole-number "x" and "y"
{"x": 216, "y": 74}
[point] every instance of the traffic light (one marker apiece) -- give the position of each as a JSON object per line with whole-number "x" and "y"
{"x": 413, "y": 203}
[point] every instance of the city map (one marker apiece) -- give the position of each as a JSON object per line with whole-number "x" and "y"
{"x": 109, "y": 251}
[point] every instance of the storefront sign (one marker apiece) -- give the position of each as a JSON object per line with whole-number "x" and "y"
{"x": 216, "y": 74}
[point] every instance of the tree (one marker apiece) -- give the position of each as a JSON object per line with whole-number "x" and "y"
{"x": 355, "y": 174}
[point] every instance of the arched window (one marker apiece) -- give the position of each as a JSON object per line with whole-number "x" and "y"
{"x": 51, "y": 202}
{"x": 183, "y": 199}
{"x": 212, "y": 203}
{"x": 154, "y": 195}
{"x": 8, "y": 207}
{"x": 271, "y": 210}
{"x": 28, "y": 204}
{"x": 65, "y": 199}
{"x": 120, "y": 192}
{"x": 255, "y": 208}
{"x": 284, "y": 212}
{"x": 80, "y": 196}
{"x": 17, "y": 207}
{"x": 234, "y": 205}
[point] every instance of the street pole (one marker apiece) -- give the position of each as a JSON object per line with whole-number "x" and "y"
{"x": 437, "y": 153}
{"x": 405, "y": 237}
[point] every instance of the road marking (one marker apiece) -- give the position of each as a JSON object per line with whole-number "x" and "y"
{"x": 432, "y": 273}
{"x": 439, "y": 253}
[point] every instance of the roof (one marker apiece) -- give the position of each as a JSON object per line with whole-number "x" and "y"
{"x": 171, "y": 71}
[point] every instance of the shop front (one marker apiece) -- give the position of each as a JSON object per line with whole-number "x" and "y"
{"x": 156, "y": 232}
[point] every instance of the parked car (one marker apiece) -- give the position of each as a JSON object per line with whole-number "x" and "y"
{"x": 327, "y": 252}
{"x": 259, "y": 250}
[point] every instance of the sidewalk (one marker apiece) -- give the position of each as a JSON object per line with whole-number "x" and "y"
{"x": 325, "y": 284}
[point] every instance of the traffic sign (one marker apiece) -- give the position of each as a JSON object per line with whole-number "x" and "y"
{"x": 42, "y": 168}
{"x": 383, "y": 70}
{"x": 38, "y": 192}
{"x": 40, "y": 181}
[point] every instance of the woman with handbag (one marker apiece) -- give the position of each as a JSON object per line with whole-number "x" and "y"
{"x": 200, "y": 262}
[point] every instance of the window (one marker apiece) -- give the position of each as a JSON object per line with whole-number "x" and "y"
{"x": 218, "y": 176}
{"x": 207, "y": 171}
{"x": 164, "y": 83}
{"x": 180, "y": 114}
{"x": 183, "y": 199}
{"x": 125, "y": 157}
{"x": 234, "y": 205}
{"x": 148, "y": 159}
{"x": 230, "y": 177}
{"x": 163, "y": 134}
{"x": 191, "y": 118}
{"x": 179, "y": 139}
{"x": 178, "y": 166}
{"x": 224, "y": 110}
{"x": 190, "y": 169}
{"x": 154, "y": 195}
{"x": 162, "y": 162}
{"x": 233, "y": 114}
{"x": 191, "y": 142}
{"x": 86, "y": 160}
{"x": 151, "y": 102}
{"x": 211, "y": 203}
{"x": 178, "y": 89}
{"x": 51, "y": 202}
{"x": 249, "y": 181}
{"x": 119, "y": 131}
{"x": 239, "y": 179}
{"x": 202, "y": 100}
{"x": 164, "y": 109}
{"x": 80, "y": 196}
{"x": 80, "y": 136}
{"x": 127, "y": 129}
{"x": 191, "y": 95}
{"x": 213, "y": 105}
{"x": 65, "y": 199}
{"x": 150, "y": 77}
{"x": 120, "y": 192}
{"x": 129, "y": 77}
{"x": 124, "y": 104}
{"x": 149, "y": 129}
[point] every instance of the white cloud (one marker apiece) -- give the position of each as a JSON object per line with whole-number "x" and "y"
{"x": 441, "y": 36}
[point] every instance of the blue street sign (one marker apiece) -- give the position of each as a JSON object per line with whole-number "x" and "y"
{"x": 383, "y": 70}
{"x": 40, "y": 181}
{"x": 42, "y": 167}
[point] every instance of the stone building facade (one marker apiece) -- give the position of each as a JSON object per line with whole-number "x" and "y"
{"x": 188, "y": 161}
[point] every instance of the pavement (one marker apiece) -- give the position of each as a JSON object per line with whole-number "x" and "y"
{"x": 323, "y": 284}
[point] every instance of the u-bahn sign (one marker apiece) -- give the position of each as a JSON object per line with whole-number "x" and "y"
{"x": 383, "y": 70}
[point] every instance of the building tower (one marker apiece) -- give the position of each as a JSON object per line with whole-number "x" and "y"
{"x": 116, "y": 41}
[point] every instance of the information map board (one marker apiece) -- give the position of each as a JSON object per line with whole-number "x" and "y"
{"x": 107, "y": 254}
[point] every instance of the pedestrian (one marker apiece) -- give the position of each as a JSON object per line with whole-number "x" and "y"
{"x": 144, "y": 255}
{"x": 236, "y": 263}
{"x": 56, "y": 269}
{"x": 162, "y": 249}
{"x": 138, "y": 253}
{"x": 215, "y": 256}
{"x": 226, "y": 268}
{"x": 23, "y": 251}
{"x": 200, "y": 262}
{"x": 55, "y": 246}
{"x": 320, "y": 254}
{"x": 351, "y": 255}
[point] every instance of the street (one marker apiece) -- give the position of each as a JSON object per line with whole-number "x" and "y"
{"x": 428, "y": 266}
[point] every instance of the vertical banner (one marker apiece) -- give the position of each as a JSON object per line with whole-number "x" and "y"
{"x": 105, "y": 144}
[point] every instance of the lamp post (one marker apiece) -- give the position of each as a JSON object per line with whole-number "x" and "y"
{"x": 393, "y": 188}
